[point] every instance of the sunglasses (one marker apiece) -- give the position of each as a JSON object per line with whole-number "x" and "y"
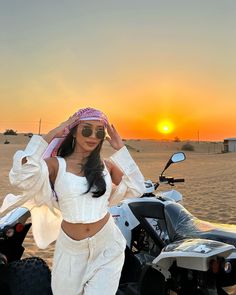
{"x": 87, "y": 132}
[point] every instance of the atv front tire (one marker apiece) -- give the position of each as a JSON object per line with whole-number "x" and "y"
{"x": 29, "y": 276}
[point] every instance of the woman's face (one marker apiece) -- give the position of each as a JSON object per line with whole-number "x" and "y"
{"x": 89, "y": 134}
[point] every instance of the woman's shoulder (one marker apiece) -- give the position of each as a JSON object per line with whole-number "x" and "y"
{"x": 115, "y": 172}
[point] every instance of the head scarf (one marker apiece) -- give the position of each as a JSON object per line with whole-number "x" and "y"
{"x": 84, "y": 114}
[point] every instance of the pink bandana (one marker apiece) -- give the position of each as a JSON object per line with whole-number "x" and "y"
{"x": 90, "y": 114}
{"x": 84, "y": 114}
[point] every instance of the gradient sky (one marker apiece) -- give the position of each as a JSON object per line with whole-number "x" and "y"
{"x": 139, "y": 61}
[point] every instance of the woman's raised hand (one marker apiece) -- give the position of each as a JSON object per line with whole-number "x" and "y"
{"x": 114, "y": 138}
{"x": 63, "y": 129}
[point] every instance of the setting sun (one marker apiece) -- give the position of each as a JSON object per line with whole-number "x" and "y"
{"x": 165, "y": 127}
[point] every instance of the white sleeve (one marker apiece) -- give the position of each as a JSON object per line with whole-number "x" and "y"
{"x": 32, "y": 177}
{"x": 132, "y": 182}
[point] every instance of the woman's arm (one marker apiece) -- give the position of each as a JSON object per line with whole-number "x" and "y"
{"x": 60, "y": 131}
{"x": 115, "y": 172}
{"x": 32, "y": 176}
{"x": 30, "y": 172}
{"x": 131, "y": 184}
{"x": 125, "y": 174}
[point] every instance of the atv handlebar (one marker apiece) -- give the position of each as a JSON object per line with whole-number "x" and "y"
{"x": 152, "y": 186}
{"x": 164, "y": 179}
{"x": 179, "y": 180}
{"x": 170, "y": 180}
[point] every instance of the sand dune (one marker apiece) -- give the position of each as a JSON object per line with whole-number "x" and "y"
{"x": 209, "y": 190}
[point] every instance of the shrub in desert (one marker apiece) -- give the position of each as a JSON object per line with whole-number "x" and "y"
{"x": 176, "y": 139}
{"x": 187, "y": 147}
{"x": 10, "y": 132}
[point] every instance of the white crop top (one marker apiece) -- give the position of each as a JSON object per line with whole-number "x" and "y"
{"x": 75, "y": 205}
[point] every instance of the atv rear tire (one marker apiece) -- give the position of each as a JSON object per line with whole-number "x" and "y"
{"x": 29, "y": 276}
{"x": 152, "y": 282}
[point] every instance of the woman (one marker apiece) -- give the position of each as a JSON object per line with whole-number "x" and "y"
{"x": 89, "y": 251}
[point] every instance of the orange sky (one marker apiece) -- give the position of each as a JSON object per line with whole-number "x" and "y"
{"x": 140, "y": 63}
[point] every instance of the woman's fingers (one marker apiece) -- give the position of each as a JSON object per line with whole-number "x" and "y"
{"x": 114, "y": 138}
{"x": 70, "y": 122}
{"x": 73, "y": 121}
{"x": 113, "y": 127}
{"x": 64, "y": 128}
{"x": 111, "y": 130}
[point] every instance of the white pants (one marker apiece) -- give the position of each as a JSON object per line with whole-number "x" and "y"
{"x": 91, "y": 266}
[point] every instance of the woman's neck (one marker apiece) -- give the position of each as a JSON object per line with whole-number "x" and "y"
{"x": 79, "y": 155}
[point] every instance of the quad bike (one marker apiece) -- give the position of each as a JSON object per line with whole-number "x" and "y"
{"x": 169, "y": 251}
{"x": 28, "y": 276}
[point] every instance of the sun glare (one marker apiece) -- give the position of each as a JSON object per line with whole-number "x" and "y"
{"x": 165, "y": 127}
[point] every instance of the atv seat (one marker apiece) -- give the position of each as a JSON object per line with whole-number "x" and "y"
{"x": 181, "y": 225}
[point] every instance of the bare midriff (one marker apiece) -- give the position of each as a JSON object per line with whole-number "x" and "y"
{"x": 80, "y": 231}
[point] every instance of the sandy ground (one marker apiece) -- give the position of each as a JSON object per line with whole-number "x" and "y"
{"x": 209, "y": 190}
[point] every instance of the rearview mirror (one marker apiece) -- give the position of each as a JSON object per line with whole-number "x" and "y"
{"x": 178, "y": 157}
{"x": 175, "y": 158}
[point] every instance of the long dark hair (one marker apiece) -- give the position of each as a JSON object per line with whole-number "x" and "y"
{"x": 92, "y": 167}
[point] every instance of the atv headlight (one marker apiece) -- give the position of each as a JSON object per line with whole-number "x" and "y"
{"x": 227, "y": 267}
{"x": 9, "y": 232}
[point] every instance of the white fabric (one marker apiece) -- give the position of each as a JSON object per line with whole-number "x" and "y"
{"x": 32, "y": 178}
{"x": 91, "y": 266}
{"x": 75, "y": 205}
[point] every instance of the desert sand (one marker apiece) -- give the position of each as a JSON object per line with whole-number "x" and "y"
{"x": 209, "y": 190}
